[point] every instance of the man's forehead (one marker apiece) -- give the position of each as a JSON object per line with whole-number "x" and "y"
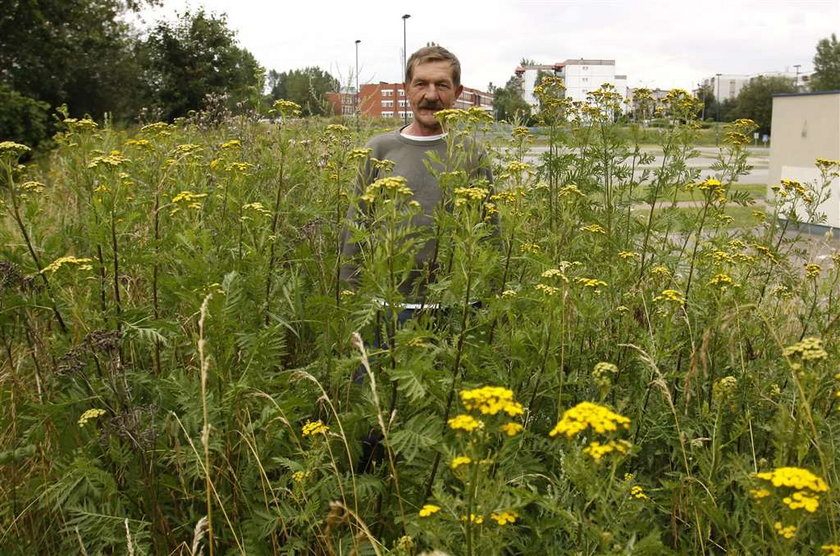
{"x": 436, "y": 69}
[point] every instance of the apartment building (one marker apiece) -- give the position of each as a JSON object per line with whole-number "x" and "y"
{"x": 580, "y": 76}
{"x": 388, "y": 100}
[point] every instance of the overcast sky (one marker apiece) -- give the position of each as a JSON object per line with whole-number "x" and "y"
{"x": 657, "y": 43}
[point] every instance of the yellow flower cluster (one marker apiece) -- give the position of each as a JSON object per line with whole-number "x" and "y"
{"x": 12, "y": 149}
{"x": 85, "y": 124}
{"x": 660, "y": 270}
{"x": 802, "y": 500}
{"x": 511, "y": 428}
{"x": 638, "y": 492}
{"x": 812, "y": 270}
{"x": 189, "y": 200}
{"x": 554, "y": 273}
{"x": 311, "y": 428}
{"x": 157, "y": 128}
{"x": 505, "y": 517}
{"x": 724, "y": 387}
{"x": 520, "y": 132}
{"x": 233, "y": 144}
{"x": 603, "y": 373}
{"x": 459, "y": 461}
{"x": 824, "y": 163}
{"x": 759, "y": 493}
{"x": 794, "y": 477}
{"x": 787, "y": 532}
{"x": 589, "y": 282}
{"x": 300, "y": 476}
{"x": 593, "y": 229}
{"x": 491, "y": 400}
{"x": 465, "y": 423}
{"x": 287, "y": 108}
{"x": 112, "y": 159}
{"x": 624, "y": 255}
{"x": 547, "y": 290}
{"x": 477, "y": 519}
{"x": 257, "y": 208}
{"x": 90, "y": 414}
{"x": 144, "y": 144}
{"x": 570, "y": 189}
{"x": 393, "y": 184}
{"x": 465, "y": 194}
{"x": 722, "y": 281}
{"x": 359, "y": 154}
{"x": 831, "y": 549}
{"x": 428, "y": 509}
{"x": 671, "y": 295}
{"x": 84, "y": 263}
{"x": 598, "y": 450}
{"x": 808, "y": 350}
{"x": 588, "y": 415}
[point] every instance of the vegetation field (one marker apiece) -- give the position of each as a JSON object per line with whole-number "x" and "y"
{"x": 607, "y": 373}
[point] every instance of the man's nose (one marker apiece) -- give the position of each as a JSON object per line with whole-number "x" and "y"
{"x": 432, "y": 93}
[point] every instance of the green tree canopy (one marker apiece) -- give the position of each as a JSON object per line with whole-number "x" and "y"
{"x": 755, "y": 101}
{"x": 195, "y": 57}
{"x": 308, "y": 87}
{"x": 508, "y": 103}
{"x": 76, "y": 52}
{"x": 826, "y": 75}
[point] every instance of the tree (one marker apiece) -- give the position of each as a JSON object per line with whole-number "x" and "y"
{"x": 508, "y": 104}
{"x": 755, "y": 101}
{"x": 307, "y": 87}
{"x": 75, "y": 52}
{"x": 826, "y": 75}
{"x": 194, "y": 58}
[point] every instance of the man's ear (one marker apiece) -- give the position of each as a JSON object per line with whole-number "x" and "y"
{"x": 458, "y": 90}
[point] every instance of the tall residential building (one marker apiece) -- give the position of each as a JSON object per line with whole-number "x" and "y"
{"x": 726, "y": 86}
{"x": 580, "y": 76}
{"x": 388, "y": 100}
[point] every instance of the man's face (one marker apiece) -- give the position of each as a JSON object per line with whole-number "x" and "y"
{"x": 431, "y": 89}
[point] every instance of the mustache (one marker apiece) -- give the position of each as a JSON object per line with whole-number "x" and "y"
{"x": 430, "y": 105}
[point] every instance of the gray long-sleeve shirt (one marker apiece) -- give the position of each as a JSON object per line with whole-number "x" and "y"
{"x": 411, "y": 157}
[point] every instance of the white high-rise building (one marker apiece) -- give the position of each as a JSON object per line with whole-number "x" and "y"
{"x": 580, "y": 76}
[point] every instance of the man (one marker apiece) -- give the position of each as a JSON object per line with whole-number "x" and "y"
{"x": 432, "y": 83}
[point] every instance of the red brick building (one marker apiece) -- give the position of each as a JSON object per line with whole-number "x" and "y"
{"x": 388, "y": 100}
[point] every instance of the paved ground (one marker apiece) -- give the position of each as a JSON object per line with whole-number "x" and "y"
{"x": 758, "y": 158}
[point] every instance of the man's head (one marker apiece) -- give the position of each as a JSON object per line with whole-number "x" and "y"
{"x": 432, "y": 83}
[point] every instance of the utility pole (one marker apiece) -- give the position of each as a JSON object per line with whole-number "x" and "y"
{"x": 357, "y": 92}
{"x": 405, "y": 53}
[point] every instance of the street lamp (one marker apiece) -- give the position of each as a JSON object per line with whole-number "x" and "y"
{"x": 717, "y": 97}
{"x": 405, "y": 112}
{"x": 796, "y": 80}
{"x": 356, "y": 95}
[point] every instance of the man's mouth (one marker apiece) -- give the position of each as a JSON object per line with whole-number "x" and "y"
{"x": 425, "y": 106}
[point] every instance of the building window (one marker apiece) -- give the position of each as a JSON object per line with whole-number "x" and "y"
{"x": 388, "y": 114}
{"x": 402, "y": 92}
{"x": 584, "y": 79}
{"x": 402, "y": 104}
{"x": 585, "y": 68}
{"x": 387, "y": 103}
{"x": 404, "y": 114}
{"x": 387, "y": 92}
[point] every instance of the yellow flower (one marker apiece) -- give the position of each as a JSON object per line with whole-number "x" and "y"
{"x": 722, "y": 281}
{"x": 638, "y": 492}
{"x": 311, "y": 428}
{"x": 794, "y": 477}
{"x": 511, "y": 429}
{"x": 505, "y": 517}
{"x": 787, "y": 532}
{"x": 84, "y": 263}
{"x": 812, "y": 270}
{"x": 90, "y": 414}
{"x": 590, "y": 282}
{"x": 593, "y": 229}
{"x": 477, "y": 519}
{"x": 587, "y": 415}
{"x": 760, "y": 493}
{"x": 459, "y": 461}
{"x": 490, "y": 400}
{"x": 809, "y": 349}
{"x": 547, "y": 290}
{"x": 671, "y": 295}
{"x": 429, "y": 509}
{"x": 624, "y": 255}
{"x": 597, "y": 450}
{"x": 802, "y": 500}
{"x": 465, "y": 423}
{"x": 832, "y": 549}
{"x": 300, "y": 476}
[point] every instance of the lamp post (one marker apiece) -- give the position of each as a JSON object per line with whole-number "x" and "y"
{"x": 405, "y": 112}
{"x": 796, "y": 79}
{"x": 717, "y": 97}
{"x": 357, "y": 92}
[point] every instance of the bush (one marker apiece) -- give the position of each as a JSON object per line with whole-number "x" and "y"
{"x": 22, "y": 119}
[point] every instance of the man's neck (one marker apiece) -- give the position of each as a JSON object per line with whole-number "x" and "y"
{"x": 416, "y": 130}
